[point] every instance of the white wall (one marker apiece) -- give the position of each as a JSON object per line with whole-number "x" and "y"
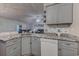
{"x": 73, "y": 29}
{"x": 8, "y": 25}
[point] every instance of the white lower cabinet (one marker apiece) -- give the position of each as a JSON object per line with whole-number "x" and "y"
{"x": 68, "y": 48}
{"x": 36, "y": 46}
{"x": 68, "y": 52}
{"x": 33, "y": 45}
{"x": 26, "y": 50}
{"x": 49, "y": 47}
{"x": 11, "y": 47}
{"x": 13, "y": 50}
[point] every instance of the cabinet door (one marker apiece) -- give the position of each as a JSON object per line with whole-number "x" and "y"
{"x": 67, "y": 48}
{"x": 68, "y": 52}
{"x": 49, "y": 47}
{"x": 59, "y": 13}
{"x": 13, "y": 49}
{"x": 65, "y": 13}
{"x": 26, "y": 46}
{"x": 51, "y": 14}
{"x": 36, "y": 46}
{"x": 2, "y": 48}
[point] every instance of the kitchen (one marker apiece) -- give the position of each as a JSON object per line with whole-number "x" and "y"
{"x": 39, "y": 29}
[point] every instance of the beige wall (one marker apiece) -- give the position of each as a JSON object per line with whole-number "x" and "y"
{"x": 9, "y": 25}
{"x": 73, "y": 29}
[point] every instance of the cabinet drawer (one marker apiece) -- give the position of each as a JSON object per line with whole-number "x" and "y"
{"x": 12, "y": 48}
{"x": 49, "y": 41}
{"x": 67, "y": 44}
{"x": 67, "y": 52}
{"x": 13, "y": 41}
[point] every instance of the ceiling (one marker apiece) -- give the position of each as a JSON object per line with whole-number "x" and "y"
{"x": 21, "y": 11}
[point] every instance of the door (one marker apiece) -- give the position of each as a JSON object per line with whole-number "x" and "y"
{"x": 36, "y": 46}
{"x": 49, "y": 47}
{"x": 26, "y": 46}
{"x": 51, "y": 14}
{"x": 68, "y": 52}
{"x": 65, "y": 13}
{"x": 59, "y": 13}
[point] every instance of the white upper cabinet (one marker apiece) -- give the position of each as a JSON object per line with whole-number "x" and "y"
{"x": 65, "y": 13}
{"x": 51, "y": 14}
{"x": 59, "y": 13}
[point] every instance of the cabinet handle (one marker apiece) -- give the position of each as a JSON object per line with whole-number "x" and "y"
{"x": 44, "y": 11}
{"x": 67, "y": 44}
{"x": 14, "y": 48}
{"x": 35, "y": 39}
{"x": 15, "y": 41}
{"x": 59, "y": 49}
{"x": 30, "y": 42}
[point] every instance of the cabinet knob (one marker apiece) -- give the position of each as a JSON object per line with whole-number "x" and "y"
{"x": 59, "y": 49}
{"x": 44, "y": 11}
{"x": 14, "y": 48}
{"x": 44, "y": 21}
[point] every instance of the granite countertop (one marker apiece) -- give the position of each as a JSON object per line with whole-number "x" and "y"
{"x": 56, "y": 36}
{"x": 62, "y": 36}
{"x": 69, "y": 37}
{"x": 42, "y": 35}
{"x": 8, "y": 35}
